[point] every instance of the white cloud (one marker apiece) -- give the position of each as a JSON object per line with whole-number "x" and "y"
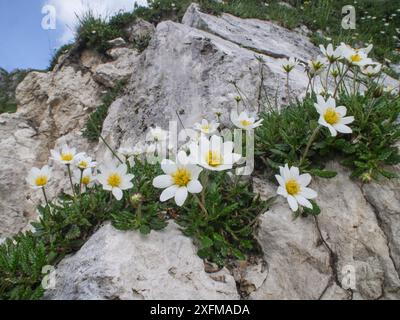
{"x": 67, "y": 11}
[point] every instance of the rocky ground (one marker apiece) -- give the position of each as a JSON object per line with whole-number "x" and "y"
{"x": 187, "y": 68}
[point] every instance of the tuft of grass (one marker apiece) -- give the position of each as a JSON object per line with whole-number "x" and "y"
{"x": 57, "y": 54}
{"x": 8, "y": 84}
{"x": 95, "y": 32}
{"x": 94, "y": 124}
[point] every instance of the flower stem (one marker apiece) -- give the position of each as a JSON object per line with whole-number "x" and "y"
{"x": 202, "y": 206}
{"x": 327, "y": 77}
{"x": 312, "y": 138}
{"x": 288, "y": 88}
{"x": 45, "y": 197}
{"x": 340, "y": 81}
{"x": 70, "y": 179}
{"x": 80, "y": 183}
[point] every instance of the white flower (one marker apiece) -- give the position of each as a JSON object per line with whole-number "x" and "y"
{"x": 329, "y": 53}
{"x": 151, "y": 148}
{"x": 293, "y": 187}
{"x": 84, "y": 162}
{"x": 139, "y": 149}
{"x": 214, "y": 154}
{"x": 38, "y": 178}
{"x": 332, "y": 117}
{"x": 244, "y": 120}
{"x": 180, "y": 178}
{"x": 218, "y": 112}
{"x": 65, "y": 155}
{"x": 317, "y": 66}
{"x": 126, "y": 152}
{"x": 115, "y": 178}
{"x": 289, "y": 64}
{"x": 372, "y": 69}
{"x": 206, "y": 127}
{"x": 357, "y": 57}
{"x": 157, "y": 134}
{"x": 88, "y": 180}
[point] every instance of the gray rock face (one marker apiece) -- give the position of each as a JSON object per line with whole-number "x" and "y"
{"x": 127, "y": 265}
{"x": 188, "y": 71}
{"x": 260, "y": 36}
{"x": 139, "y": 30}
{"x": 310, "y": 258}
{"x": 109, "y": 74}
{"x": 53, "y": 108}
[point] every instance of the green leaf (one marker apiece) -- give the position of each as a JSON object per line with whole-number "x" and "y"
{"x": 323, "y": 173}
{"x": 206, "y": 242}
{"x": 144, "y": 229}
{"x": 315, "y": 211}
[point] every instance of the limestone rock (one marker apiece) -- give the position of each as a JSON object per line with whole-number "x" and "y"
{"x": 118, "y": 42}
{"x": 127, "y": 265}
{"x": 261, "y": 36}
{"x": 108, "y": 74}
{"x": 311, "y": 259}
{"x": 52, "y": 109}
{"x": 188, "y": 71}
{"x": 384, "y": 197}
{"x": 139, "y": 30}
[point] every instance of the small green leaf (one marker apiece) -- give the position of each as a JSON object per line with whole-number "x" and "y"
{"x": 144, "y": 229}
{"x": 206, "y": 242}
{"x": 323, "y": 173}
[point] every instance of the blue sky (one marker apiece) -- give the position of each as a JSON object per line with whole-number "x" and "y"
{"x": 23, "y": 42}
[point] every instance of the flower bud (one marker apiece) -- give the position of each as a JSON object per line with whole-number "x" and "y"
{"x": 136, "y": 200}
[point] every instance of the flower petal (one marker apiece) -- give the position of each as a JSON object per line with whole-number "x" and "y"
{"x": 168, "y": 193}
{"x": 305, "y": 179}
{"x": 342, "y": 128}
{"x": 282, "y": 192}
{"x": 117, "y": 192}
{"x": 346, "y": 120}
{"x": 341, "y": 110}
{"x": 280, "y": 180}
{"x": 308, "y": 193}
{"x": 292, "y": 203}
{"x": 163, "y": 181}
{"x": 168, "y": 166}
{"x": 181, "y": 195}
{"x": 303, "y": 201}
{"x": 194, "y": 186}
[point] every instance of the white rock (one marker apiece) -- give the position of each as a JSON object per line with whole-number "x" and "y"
{"x": 187, "y": 71}
{"x": 118, "y": 42}
{"x": 127, "y": 265}
{"x": 261, "y": 36}
{"x": 140, "y": 29}
{"x": 302, "y": 266}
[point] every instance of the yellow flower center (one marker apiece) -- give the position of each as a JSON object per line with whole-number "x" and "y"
{"x": 181, "y": 177}
{"x": 331, "y": 116}
{"x": 205, "y": 128}
{"x": 214, "y": 158}
{"x": 67, "y": 156}
{"x": 292, "y": 187}
{"x": 355, "y": 58}
{"x": 41, "y": 181}
{"x": 85, "y": 180}
{"x": 114, "y": 180}
{"x": 83, "y": 164}
{"x": 245, "y": 123}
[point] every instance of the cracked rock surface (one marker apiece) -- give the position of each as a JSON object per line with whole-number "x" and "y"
{"x": 126, "y": 265}
{"x": 310, "y": 258}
